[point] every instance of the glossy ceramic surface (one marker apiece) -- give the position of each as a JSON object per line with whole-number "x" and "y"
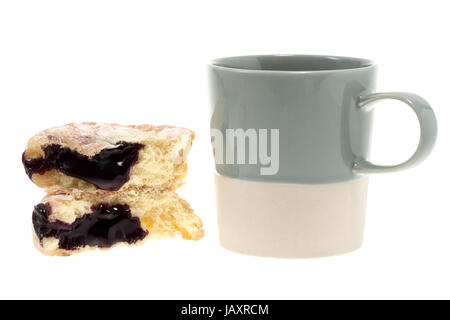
{"x": 318, "y": 104}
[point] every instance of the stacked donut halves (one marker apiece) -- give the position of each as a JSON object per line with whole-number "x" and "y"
{"x": 108, "y": 184}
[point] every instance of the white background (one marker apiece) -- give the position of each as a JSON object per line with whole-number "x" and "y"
{"x": 144, "y": 62}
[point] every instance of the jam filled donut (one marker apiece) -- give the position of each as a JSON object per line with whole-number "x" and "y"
{"x": 64, "y": 224}
{"x": 96, "y": 157}
{"x": 109, "y": 184}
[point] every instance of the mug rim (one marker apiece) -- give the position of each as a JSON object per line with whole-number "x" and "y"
{"x": 225, "y": 64}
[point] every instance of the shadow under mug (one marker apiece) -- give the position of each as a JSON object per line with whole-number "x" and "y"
{"x": 291, "y": 138}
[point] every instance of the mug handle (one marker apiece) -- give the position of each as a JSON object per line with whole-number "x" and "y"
{"x": 428, "y": 130}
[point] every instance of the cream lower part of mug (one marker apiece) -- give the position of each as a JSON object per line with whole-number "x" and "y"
{"x": 290, "y": 220}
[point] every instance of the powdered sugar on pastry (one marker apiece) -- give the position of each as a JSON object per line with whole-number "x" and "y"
{"x": 160, "y": 164}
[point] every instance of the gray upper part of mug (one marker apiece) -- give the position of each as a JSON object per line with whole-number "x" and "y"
{"x": 312, "y": 100}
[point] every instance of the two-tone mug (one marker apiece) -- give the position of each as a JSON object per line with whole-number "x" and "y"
{"x": 291, "y": 137}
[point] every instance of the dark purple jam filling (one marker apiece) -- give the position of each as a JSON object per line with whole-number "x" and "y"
{"x": 108, "y": 170}
{"x": 105, "y": 226}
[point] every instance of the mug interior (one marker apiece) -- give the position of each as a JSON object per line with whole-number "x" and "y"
{"x": 291, "y": 63}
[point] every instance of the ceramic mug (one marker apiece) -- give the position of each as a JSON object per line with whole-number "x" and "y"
{"x": 291, "y": 138}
